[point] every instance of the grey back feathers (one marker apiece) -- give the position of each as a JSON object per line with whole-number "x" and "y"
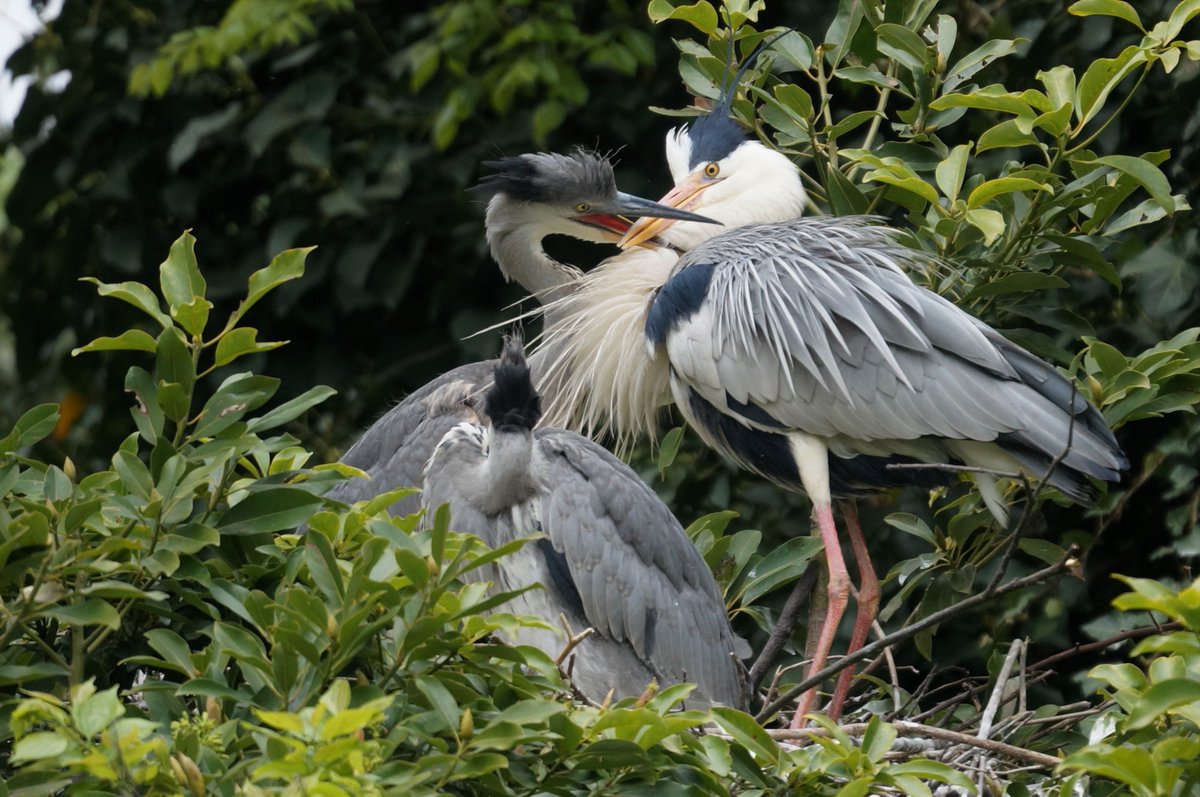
{"x": 813, "y": 326}
{"x": 551, "y": 178}
{"x": 614, "y": 558}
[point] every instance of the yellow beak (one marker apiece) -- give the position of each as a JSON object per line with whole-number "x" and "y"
{"x": 682, "y": 196}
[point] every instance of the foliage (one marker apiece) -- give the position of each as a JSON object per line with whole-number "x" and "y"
{"x": 1026, "y": 146}
{"x": 172, "y": 633}
{"x": 1149, "y": 739}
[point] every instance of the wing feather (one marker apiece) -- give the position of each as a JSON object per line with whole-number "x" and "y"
{"x": 640, "y": 578}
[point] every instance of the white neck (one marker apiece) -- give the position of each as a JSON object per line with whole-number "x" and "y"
{"x": 515, "y": 231}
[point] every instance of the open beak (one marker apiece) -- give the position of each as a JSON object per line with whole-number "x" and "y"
{"x": 629, "y": 205}
{"x": 679, "y": 198}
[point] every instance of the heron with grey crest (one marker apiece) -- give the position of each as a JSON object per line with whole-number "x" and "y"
{"x": 533, "y": 196}
{"x": 613, "y": 558}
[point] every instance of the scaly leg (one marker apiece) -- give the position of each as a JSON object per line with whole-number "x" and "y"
{"x": 868, "y": 604}
{"x": 839, "y": 595}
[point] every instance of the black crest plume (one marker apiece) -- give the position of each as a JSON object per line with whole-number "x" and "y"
{"x": 550, "y": 177}
{"x": 511, "y": 403}
{"x": 715, "y": 134}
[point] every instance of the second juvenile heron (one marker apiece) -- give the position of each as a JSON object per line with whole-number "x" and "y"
{"x": 613, "y": 557}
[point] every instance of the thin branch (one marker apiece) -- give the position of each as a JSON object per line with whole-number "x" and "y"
{"x": 1077, "y": 649}
{"x": 784, "y": 626}
{"x": 931, "y": 731}
{"x": 993, "y": 706}
{"x": 908, "y": 632}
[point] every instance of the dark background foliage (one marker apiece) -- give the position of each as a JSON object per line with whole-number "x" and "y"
{"x": 359, "y": 127}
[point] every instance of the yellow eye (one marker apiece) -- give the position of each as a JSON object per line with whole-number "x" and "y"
{"x": 582, "y": 207}
{"x": 712, "y": 170}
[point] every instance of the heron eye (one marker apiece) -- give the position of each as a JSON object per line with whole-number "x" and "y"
{"x": 582, "y": 207}
{"x": 712, "y": 170}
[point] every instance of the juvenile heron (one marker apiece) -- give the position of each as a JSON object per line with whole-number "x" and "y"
{"x": 534, "y": 196}
{"x": 613, "y": 558}
{"x": 801, "y": 350}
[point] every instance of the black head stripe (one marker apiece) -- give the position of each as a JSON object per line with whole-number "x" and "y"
{"x": 715, "y": 135}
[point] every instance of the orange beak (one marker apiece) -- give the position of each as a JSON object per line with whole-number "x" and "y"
{"x": 682, "y": 196}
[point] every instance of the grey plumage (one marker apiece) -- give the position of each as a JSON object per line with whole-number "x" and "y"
{"x": 814, "y": 324}
{"x": 614, "y": 559}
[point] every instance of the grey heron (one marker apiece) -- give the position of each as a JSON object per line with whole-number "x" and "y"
{"x": 801, "y": 350}
{"x": 613, "y": 557}
{"x": 533, "y": 196}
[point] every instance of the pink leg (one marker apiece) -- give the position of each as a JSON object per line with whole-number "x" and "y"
{"x": 868, "y": 604}
{"x": 839, "y": 595}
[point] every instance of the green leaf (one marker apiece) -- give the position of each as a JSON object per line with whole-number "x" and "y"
{"x": 904, "y": 45}
{"x": 236, "y": 396}
{"x": 92, "y": 611}
{"x": 173, "y": 360}
{"x": 440, "y": 700}
{"x": 669, "y": 449}
{"x": 34, "y": 425}
{"x": 182, "y": 283}
{"x": 702, "y": 16}
{"x": 1180, "y": 16}
{"x": 290, "y": 410}
{"x": 1018, "y": 282}
{"x": 287, "y": 265}
{"x": 976, "y": 60}
{"x": 1146, "y": 174}
{"x": 911, "y": 524}
{"x": 949, "y": 173}
{"x": 785, "y": 563}
{"x": 281, "y": 720}
{"x": 135, "y": 294}
{"x": 990, "y": 98}
{"x": 1112, "y": 363}
{"x": 97, "y": 712}
{"x": 1161, "y": 698}
{"x": 269, "y": 510}
{"x": 129, "y": 340}
{"x": 39, "y": 745}
{"x": 985, "y": 192}
{"x": 1104, "y": 75}
{"x": 172, "y": 647}
{"x": 748, "y": 733}
{"x": 1108, "y": 8}
{"x": 913, "y": 185}
{"x": 990, "y": 222}
{"x": 1060, "y": 85}
{"x": 1044, "y": 550}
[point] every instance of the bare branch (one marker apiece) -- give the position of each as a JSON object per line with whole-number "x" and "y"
{"x": 785, "y": 624}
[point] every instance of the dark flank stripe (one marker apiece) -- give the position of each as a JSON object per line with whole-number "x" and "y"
{"x": 678, "y": 301}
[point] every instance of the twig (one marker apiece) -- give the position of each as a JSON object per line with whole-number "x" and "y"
{"x": 1033, "y": 492}
{"x": 1077, "y": 649}
{"x": 784, "y": 625}
{"x": 917, "y": 627}
{"x": 573, "y": 640}
{"x": 989, "y": 713}
{"x": 933, "y": 732}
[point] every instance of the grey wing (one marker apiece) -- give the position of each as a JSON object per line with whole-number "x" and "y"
{"x": 638, "y": 576}
{"x": 813, "y": 325}
{"x": 393, "y": 451}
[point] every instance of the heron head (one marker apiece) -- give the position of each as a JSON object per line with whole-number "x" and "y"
{"x": 573, "y": 195}
{"x": 721, "y": 171}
